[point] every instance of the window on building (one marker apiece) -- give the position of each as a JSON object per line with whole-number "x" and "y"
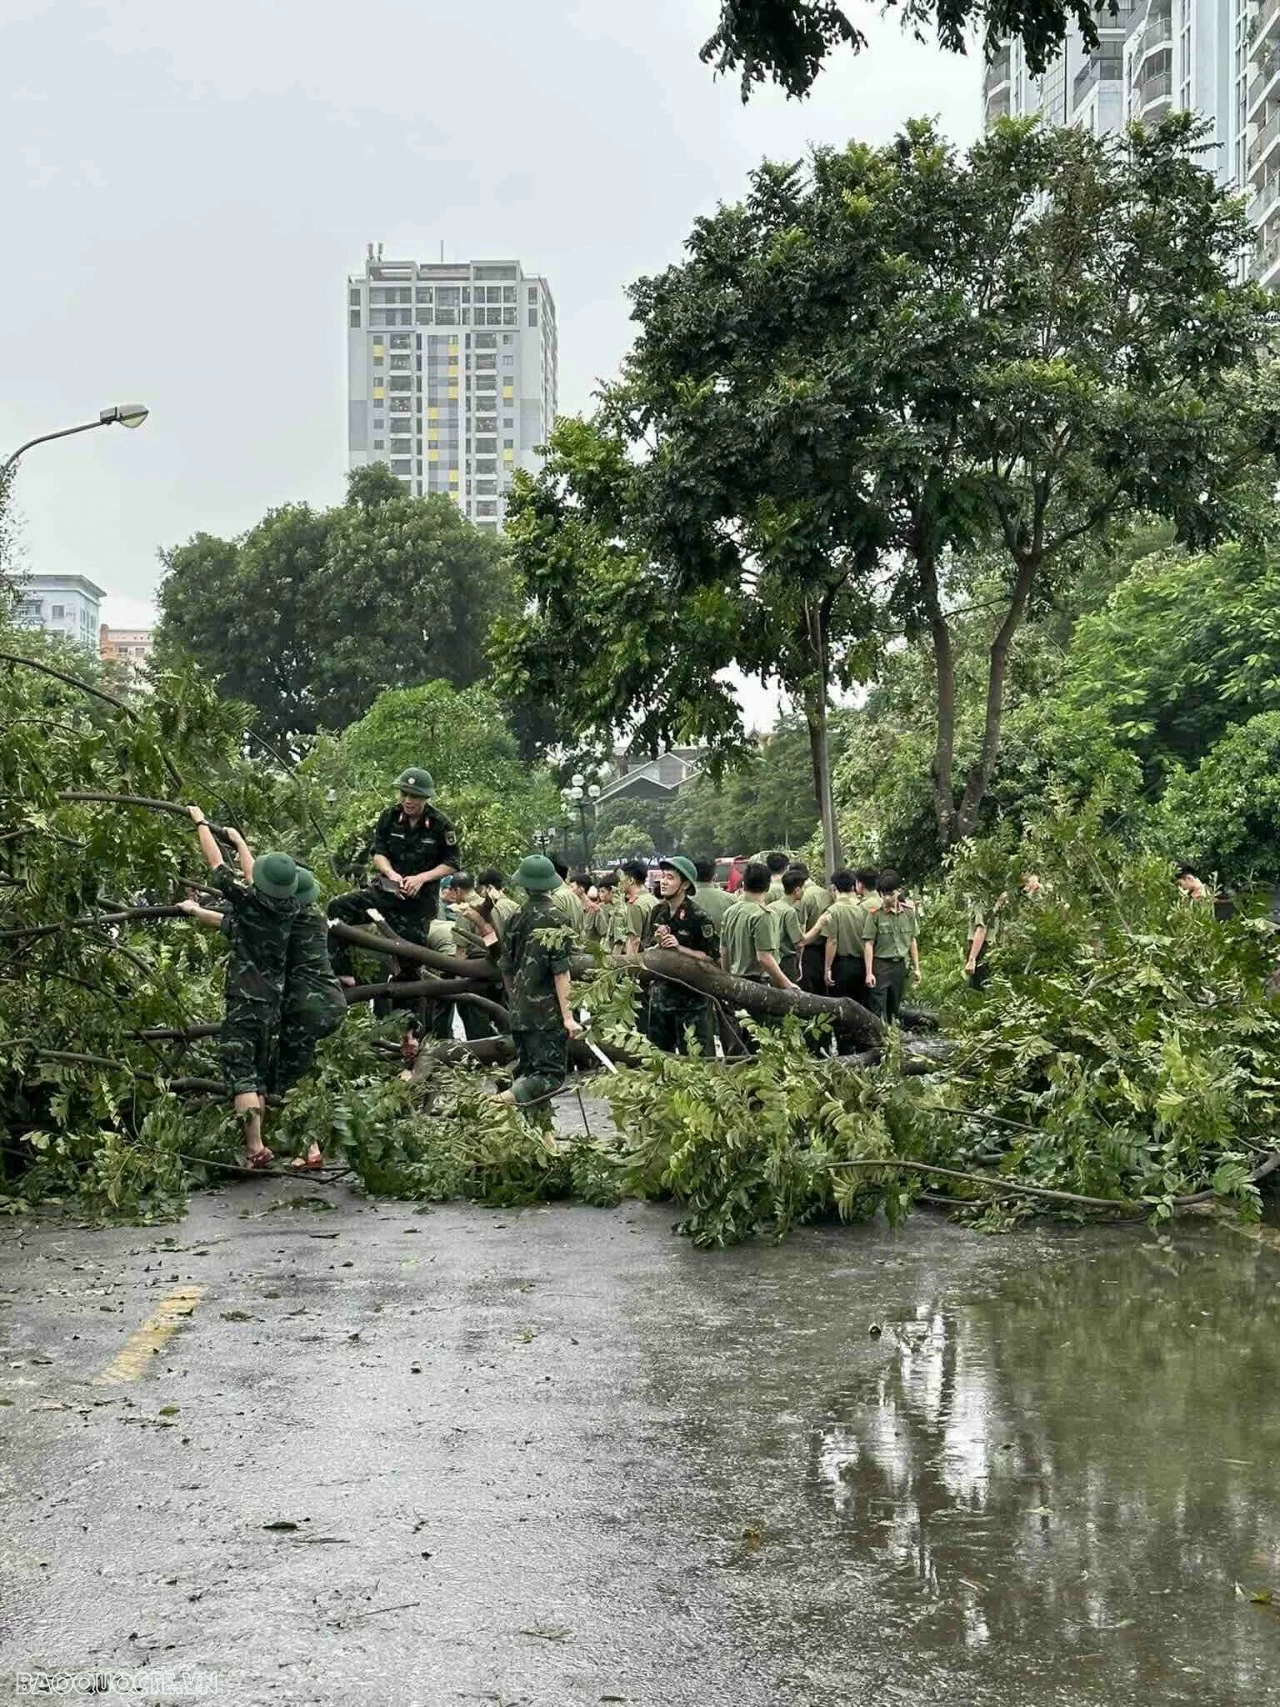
{"x": 353, "y": 297}
{"x": 487, "y": 488}
{"x": 508, "y": 317}
{"x": 508, "y": 420}
{"x": 401, "y": 465}
{"x": 377, "y": 444}
{"x": 446, "y": 316}
{"x": 533, "y": 293}
{"x": 487, "y": 447}
{"x": 401, "y": 447}
{"x": 485, "y": 364}
{"x": 401, "y": 341}
{"x": 533, "y": 317}
{"x": 486, "y": 423}
{"x": 484, "y": 508}
{"x": 508, "y": 444}
{"x": 423, "y": 293}
{"x": 354, "y": 319}
{"x": 57, "y": 613}
{"x": 401, "y": 364}
{"x": 486, "y": 341}
{"x": 486, "y": 465}
{"x": 447, "y": 296}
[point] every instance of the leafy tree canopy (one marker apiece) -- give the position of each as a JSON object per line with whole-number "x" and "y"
{"x": 311, "y": 614}
{"x": 788, "y": 41}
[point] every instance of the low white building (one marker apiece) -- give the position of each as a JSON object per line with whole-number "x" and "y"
{"x": 68, "y": 606}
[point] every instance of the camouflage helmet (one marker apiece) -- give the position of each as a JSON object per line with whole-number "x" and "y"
{"x": 417, "y": 780}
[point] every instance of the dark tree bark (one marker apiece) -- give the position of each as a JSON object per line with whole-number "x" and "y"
{"x": 855, "y": 1026}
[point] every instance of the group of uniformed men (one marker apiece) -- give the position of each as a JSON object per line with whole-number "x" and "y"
{"x": 854, "y": 937}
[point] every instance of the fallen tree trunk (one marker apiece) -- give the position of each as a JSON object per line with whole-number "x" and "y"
{"x": 855, "y": 1026}
{"x": 396, "y": 948}
{"x": 440, "y": 989}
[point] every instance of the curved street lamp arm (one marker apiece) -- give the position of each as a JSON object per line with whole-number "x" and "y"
{"x": 64, "y": 433}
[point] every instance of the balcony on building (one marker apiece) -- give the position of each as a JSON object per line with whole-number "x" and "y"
{"x": 1266, "y": 80}
{"x": 1104, "y": 66}
{"x": 1264, "y": 25}
{"x": 1157, "y": 33}
{"x": 1266, "y": 257}
{"x": 998, "y": 72}
{"x": 1153, "y": 85}
{"x": 1263, "y": 155}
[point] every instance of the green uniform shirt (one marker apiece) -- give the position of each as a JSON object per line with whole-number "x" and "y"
{"x": 714, "y": 902}
{"x": 982, "y": 916}
{"x": 776, "y": 891}
{"x": 844, "y": 922}
{"x": 504, "y": 910}
{"x": 636, "y": 912}
{"x": 440, "y": 936}
{"x": 308, "y": 970}
{"x": 789, "y": 933}
{"x": 536, "y": 948}
{"x": 813, "y": 903}
{"x": 566, "y": 902}
{"x": 890, "y": 934}
{"x": 748, "y": 931}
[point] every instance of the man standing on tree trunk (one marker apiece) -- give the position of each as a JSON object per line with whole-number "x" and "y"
{"x": 414, "y": 846}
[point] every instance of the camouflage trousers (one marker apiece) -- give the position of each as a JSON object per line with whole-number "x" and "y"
{"x": 247, "y": 1039}
{"x": 307, "y": 1018}
{"x": 542, "y": 1063}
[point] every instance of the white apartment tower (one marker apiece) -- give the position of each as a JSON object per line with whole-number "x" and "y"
{"x": 1219, "y": 58}
{"x": 452, "y": 376}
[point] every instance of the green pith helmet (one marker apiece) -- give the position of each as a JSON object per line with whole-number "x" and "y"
{"x": 536, "y": 874}
{"x": 417, "y": 780}
{"x": 308, "y": 889}
{"x": 276, "y": 875}
{"x": 686, "y": 868}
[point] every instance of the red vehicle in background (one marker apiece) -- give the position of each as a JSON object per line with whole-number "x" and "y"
{"x": 729, "y": 870}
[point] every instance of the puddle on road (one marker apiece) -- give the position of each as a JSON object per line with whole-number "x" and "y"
{"x": 1042, "y": 1482}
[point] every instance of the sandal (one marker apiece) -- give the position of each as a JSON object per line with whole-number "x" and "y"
{"x": 262, "y": 1158}
{"x": 307, "y": 1163}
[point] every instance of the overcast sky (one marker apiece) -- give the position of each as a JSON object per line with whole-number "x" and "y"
{"x": 188, "y": 186}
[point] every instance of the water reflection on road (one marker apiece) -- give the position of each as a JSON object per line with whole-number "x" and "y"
{"x": 1040, "y": 1482}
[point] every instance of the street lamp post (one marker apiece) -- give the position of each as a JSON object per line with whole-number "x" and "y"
{"x": 118, "y": 415}
{"x": 580, "y": 795}
{"x": 543, "y": 839}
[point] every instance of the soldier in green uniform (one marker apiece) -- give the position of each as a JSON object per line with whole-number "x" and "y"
{"x": 749, "y": 935}
{"x": 811, "y": 903}
{"x": 678, "y": 923}
{"x": 841, "y": 933}
{"x": 314, "y": 1005}
{"x": 984, "y": 928}
{"x": 786, "y": 911}
{"x": 535, "y": 968}
{"x": 565, "y": 900}
{"x": 713, "y": 900}
{"x": 638, "y": 901}
{"x": 888, "y": 945}
{"x": 258, "y": 921}
{"x": 492, "y": 886}
{"x": 414, "y": 846}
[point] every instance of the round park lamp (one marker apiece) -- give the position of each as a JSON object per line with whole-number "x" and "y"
{"x": 118, "y": 415}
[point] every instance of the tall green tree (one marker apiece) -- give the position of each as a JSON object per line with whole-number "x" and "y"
{"x": 312, "y": 614}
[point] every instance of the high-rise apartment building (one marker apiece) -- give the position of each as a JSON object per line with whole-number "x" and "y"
{"x": 1218, "y": 58}
{"x": 452, "y": 376}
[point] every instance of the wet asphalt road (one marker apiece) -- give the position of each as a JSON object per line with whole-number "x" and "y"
{"x": 557, "y": 1456}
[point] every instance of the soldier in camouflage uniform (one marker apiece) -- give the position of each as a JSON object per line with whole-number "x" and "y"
{"x": 535, "y": 967}
{"x": 258, "y": 921}
{"x": 314, "y": 1006}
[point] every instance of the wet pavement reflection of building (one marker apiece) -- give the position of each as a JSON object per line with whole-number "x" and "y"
{"x": 1041, "y": 1481}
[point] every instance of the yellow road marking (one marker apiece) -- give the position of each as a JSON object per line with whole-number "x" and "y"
{"x": 134, "y": 1357}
